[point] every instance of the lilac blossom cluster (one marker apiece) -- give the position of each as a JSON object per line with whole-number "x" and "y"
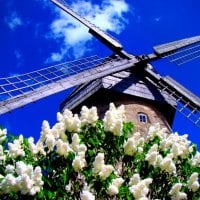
{"x": 159, "y": 150}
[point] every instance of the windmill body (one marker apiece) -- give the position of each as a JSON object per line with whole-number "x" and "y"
{"x": 121, "y": 78}
{"x": 144, "y": 103}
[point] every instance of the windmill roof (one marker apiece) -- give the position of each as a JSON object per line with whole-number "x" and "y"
{"x": 123, "y": 82}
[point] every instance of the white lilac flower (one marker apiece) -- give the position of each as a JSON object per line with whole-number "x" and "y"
{"x": 140, "y": 149}
{"x": 130, "y": 147}
{"x": 3, "y": 133}
{"x": 178, "y": 145}
{"x": 59, "y": 117}
{"x": 45, "y": 130}
{"x": 62, "y": 148}
{"x": 175, "y": 150}
{"x": 100, "y": 168}
{"x": 68, "y": 121}
{"x": 37, "y": 180}
{"x": 32, "y": 146}
{"x": 193, "y": 183}
{"x": 82, "y": 148}
{"x": 89, "y": 116}
{"x": 68, "y": 186}
{"x": 75, "y": 142}
{"x": 156, "y": 131}
{"x": 22, "y": 168}
{"x": 140, "y": 141}
{"x": 181, "y": 147}
{"x": 168, "y": 165}
{"x": 113, "y": 188}
{"x": 79, "y": 162}
{"x": 72, "y": 122}
{"x": 15, "y": 148}
{"x": 27, "y": 181}
{"x": 40, "y": 148}
{"x": 8, "y": 184}
{"x": 139, "y": 188}
{"x": 98, "y": 163}
{"x": 106, "y": 171}
{"x": 118, "y": 181}
{"x": 195, "y": 161}
{"x": 87, "y": 195}
{"x": 58, "y": 130}
{"x": 48, "y": 138}
{"x": 76, "y": 146}
{"x": 2, "y": 156}
{"x": 176, "y": 193}
{"x": 135, "y": 179}
{"x": 9, "y": 169}
{"x": 153, "y": 157}
{"x": 113, "y": 120}
{"x": 50, "y": 142}
{"x": 134, "y": 144}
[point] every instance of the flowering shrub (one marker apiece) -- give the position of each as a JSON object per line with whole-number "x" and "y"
{"x": 87, "y": 158}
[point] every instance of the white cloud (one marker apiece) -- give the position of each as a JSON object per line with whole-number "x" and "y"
{"x": 74, "y": 37}
{"x": 13, "y": 21}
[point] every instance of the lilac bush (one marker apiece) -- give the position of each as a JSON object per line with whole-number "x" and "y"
{"x": 84, "y": 157}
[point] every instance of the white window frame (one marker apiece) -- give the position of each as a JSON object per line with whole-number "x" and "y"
{"x": 142, "y": 117}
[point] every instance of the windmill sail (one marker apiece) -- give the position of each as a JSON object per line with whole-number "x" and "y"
{"x": 188, "y": 103}
{"x": 20, "y": 90}
{"x": 181, "y": 51}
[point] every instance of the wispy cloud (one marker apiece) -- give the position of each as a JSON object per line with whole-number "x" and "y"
{"x": 13, "y": 74}
{"x": 13, "y": 20}
{"x": 157, "y": 19}
{"x": 18, "y": 55}
{"x": 19, "y": 58}
{"x": 74, "y": 37}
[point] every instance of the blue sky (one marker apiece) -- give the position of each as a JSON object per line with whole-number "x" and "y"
{"x": 35, "y": 34}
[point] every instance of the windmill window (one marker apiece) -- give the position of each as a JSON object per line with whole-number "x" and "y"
{"x": 142, "y": 117}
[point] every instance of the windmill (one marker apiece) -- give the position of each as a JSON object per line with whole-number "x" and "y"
{"x": 114, "y": 74}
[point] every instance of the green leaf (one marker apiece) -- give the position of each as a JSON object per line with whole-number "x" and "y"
{"x": 41, "y": 194}
{"x": 50, "y": 194}
{"x": 91, "y": 153}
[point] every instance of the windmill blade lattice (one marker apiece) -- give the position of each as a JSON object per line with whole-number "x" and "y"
{"x": 187, "y": 103}
{"x": 188, "y": 107}
{"x": 20, "y": 84}
{"x": 181, "y": 51}
{"x": 20, "y": 90}
{"x": 185, "y": 55}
